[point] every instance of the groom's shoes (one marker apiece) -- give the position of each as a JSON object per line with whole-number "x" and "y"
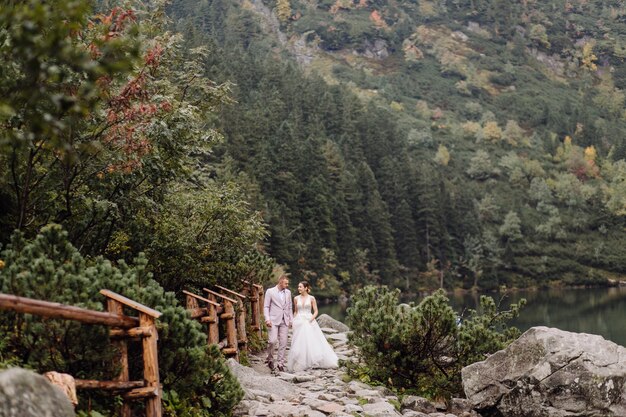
{"x": 270, "y": 365}
{"x": 281, "y": 368}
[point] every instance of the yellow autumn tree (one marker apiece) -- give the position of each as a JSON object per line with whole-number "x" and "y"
{"x": 564, "y": 150}
{"x": 471, "y": 129}
{"x": 395, "y": 106}
{"x": 491, "y": 132}
{"x": 283, "y": 10}
{"x": 590, "y": 153}
{"x": 513, "y": 133}
{"x": 443, "y": 155}
{"x": 588, "y": 59}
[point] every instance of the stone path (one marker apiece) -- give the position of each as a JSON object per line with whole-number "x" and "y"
{"x": 328, "y": 392}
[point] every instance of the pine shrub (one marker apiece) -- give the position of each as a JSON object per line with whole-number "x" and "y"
{"x": 422, "y": 348}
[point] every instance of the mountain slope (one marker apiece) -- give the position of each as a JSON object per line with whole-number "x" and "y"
{"x": 480, "y": 143}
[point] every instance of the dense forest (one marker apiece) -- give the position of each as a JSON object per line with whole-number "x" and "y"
{"x": 426, "y": 143}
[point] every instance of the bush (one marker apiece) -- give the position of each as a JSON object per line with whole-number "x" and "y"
{"x": 422, "y": 348}
{"x": 50, "y": 268}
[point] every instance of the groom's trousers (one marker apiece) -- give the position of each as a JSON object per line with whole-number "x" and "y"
{"x": 277, "y": 336}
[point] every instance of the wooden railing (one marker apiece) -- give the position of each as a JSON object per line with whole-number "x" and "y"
{"x": 229, "y": 307}
{"x": 123, "y": 328}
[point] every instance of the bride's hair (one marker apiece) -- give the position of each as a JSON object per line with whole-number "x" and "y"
{"x": 306, "y": 286}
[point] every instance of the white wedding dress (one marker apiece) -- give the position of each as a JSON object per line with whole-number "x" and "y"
{"x": 309, "y": 348}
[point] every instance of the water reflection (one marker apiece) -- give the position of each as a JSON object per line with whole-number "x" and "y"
{"x": 598, "y": 311}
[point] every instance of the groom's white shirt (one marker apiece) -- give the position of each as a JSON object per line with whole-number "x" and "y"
{"x": 275, "y": 309}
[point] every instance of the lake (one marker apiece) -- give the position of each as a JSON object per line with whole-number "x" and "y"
{"x": 598, "y": 311}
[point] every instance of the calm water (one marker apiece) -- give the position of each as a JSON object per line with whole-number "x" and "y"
{"x": 598, "y": 311}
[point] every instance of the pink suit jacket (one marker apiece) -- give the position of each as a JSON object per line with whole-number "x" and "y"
{"x": 275, "y": 310}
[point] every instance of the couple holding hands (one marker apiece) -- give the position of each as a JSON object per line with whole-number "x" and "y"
{"x": 309, "y": 348}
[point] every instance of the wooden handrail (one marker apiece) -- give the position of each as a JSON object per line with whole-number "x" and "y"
{"x": 62, "y": 311}
{"x": 217, "y": 294}
{"x": 130, "y": 303}
{"x": 236, "y": 294}
{"x": 253, "y": 284}
{"x": 108, "y": 385}
{"x": 206, "y": 300}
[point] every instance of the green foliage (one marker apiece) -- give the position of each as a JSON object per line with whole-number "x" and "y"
{"x": 50, "y": 268}
{"x": 210, "y": 233}
{"x": 422, "y": 348}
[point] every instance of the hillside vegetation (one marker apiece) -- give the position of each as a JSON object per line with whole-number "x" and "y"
{"x": 465, "y": 143}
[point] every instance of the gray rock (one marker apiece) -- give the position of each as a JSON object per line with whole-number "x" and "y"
{"x": 303, "y": 378}
{"x": 313, "y": 402}
{"x": 462, "y": 407}
{"x": 341, "y": 337}
{"x": 348, "y": 401}
{"x": 284, "y": 410}
{"x": 354, "y": 386}
{"x": 353, "y": 408}
{"x": 328, "y": 330}
{"x": 411, "y": 413}
{"x": 368, "y": 393}
{"x": 27, "y": 394}
{"x": 252, "y": 380}
{"x": 375, "y": 50}
{"x": 315, "y": 413}
{"x": 246, "y": 408}
{"x": 258, "y": 394}
{"x": 550, "y": 373}
{"x": 330, "y": 408}
{"x": 327, "y": 397}
{"x": 325, "y": 320}
{"x": 415, "y": 403}
{"x": 380, "y": 409}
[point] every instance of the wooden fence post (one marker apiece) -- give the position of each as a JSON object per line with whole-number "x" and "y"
{"x": 228, "y": 315}
{"x": 147, "y": 331}
{"x": 253, "y": 291}
{"x": 206, "y": 315}
{"x": 214, "y": 328}
{"x": 115, "y": 307}
{"x": 258, "y": 293}
{"x": 151, "y": 365}
{"x": 261, "y": 303}
{"x": 240, "y": 308}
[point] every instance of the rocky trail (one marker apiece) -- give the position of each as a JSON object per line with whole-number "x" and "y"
{"x": 328, "y": 392}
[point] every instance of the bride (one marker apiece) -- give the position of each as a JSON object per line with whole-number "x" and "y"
{"x": 309, "y": 348}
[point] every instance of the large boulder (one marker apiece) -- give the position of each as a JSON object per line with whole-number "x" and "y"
{"x": 324, "y": 320}
{"x": 27, "y": 394}
{"x": 550, "y": 373}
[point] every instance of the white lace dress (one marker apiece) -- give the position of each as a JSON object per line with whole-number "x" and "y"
{"x": 309, "y": 348}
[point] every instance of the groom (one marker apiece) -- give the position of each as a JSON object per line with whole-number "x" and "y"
{"x": 278, "y": 312}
